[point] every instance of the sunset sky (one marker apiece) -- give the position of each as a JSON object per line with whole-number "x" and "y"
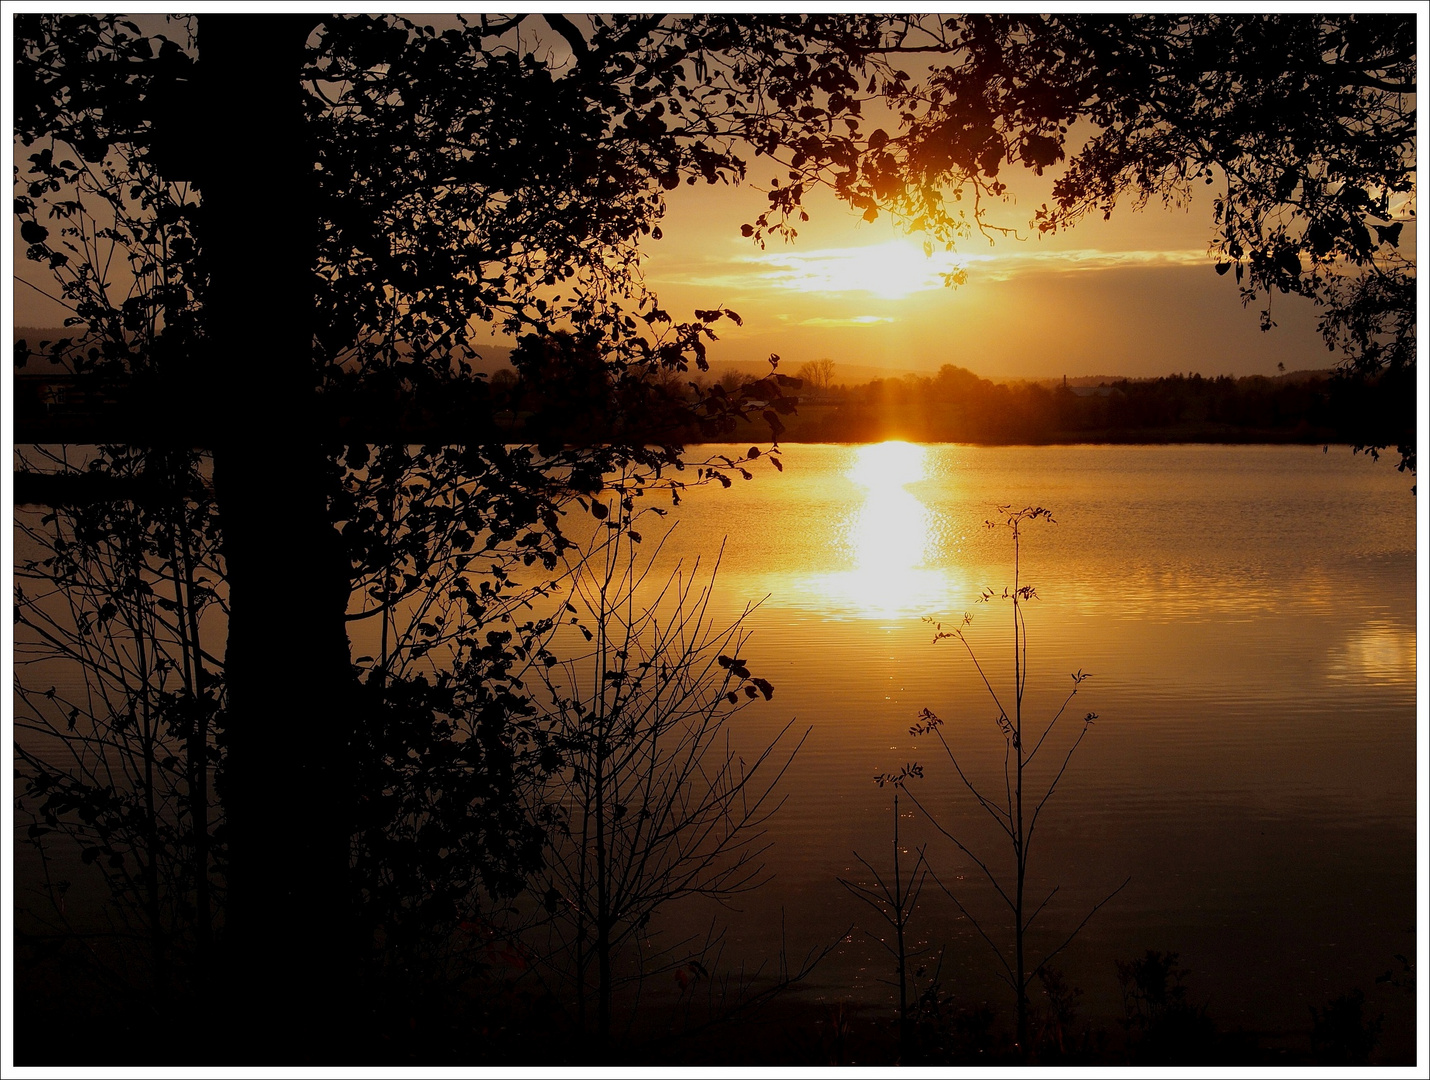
{"x": 1136, "y": 295}
{"x": 438, "y": 638}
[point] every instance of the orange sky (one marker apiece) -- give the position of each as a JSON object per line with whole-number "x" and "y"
{"x": 1136, "y": 295}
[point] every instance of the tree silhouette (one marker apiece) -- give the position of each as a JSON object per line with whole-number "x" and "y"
{"x": 818, "y": 374}
{"x": 1023, "y": 800}
{"x": 650, "y": 803}
{"x": 1302, "y": 127}
{"x": 279, "y": 235}
{"x": 413, "y": 186}
{"x": 125, "y": 591}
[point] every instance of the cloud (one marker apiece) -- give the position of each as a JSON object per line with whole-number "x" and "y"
{"x": 899, "y": 268}
{"x": 1006, "y": 265}
{"x": 857, "y": 320}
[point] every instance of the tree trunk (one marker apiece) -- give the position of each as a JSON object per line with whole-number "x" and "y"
{"x": 291, "y": 688}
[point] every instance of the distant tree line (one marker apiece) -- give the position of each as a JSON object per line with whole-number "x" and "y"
{"x": 577, "y": 404}
{"x": 955, "y": 405}
{"x": 294, "y": 582}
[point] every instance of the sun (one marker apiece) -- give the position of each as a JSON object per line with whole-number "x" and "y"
{"x": 893, "y": 270}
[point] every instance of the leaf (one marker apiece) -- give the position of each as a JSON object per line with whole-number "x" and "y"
{"x": 1390, "y": 234}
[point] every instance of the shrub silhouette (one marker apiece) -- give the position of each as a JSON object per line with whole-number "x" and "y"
{"x": 1341, "y": 1034}
{"x": 1017, "y": 813}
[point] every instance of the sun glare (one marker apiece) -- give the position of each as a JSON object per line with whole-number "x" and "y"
{"x": 892, "y": 270}
{"x": 889, "y": 533}
{"x": 887, "y": 466}
{"x": 887, "y": 536}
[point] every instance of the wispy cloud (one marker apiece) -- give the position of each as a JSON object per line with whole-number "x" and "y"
{"x": 898, "y": 268}
{"x": 857, "y": 320}
{"x": 1003, "y": 265}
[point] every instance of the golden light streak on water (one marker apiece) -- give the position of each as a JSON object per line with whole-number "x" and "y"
{"x": 1378, "y": 653}
{"x": 887, "y": 537}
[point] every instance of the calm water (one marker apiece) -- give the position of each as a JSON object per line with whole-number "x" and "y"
{"x": 1247, "y": 615}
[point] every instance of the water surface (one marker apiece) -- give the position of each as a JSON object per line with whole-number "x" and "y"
{"x": 1247, "y": 615}
{"x": 1247, "y": 619}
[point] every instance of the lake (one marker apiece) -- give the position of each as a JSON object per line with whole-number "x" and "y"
{"x": 1246, "y": 615}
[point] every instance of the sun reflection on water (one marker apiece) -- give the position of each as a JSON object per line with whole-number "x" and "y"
{"x": 889, "y": 533}
{"x": 1374, "y": 652}
{"x": 888, "y": 537}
